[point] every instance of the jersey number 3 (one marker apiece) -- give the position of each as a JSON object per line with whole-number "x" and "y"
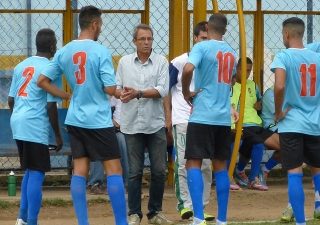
{"x": 80, "y": 59}
{"x": 27, "y": 72}
{"x": 225, "y": 65}
{"x": 312, "y": 70}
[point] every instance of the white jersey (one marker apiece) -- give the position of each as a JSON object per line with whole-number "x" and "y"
{"x": 180, "y": 108}
{"x": 116, "y": 103}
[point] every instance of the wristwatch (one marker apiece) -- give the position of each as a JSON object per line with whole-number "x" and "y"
{"x": 139, "y": 95}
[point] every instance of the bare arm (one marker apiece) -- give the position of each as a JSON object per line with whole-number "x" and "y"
{"x": 168, "y": 111}
{"x": 279, "y": 85}
{"x": 11, "y": 103}
{"x": 53, "y": 118}
{"x": 46, "y": 84}
{"x": 110, "y": 90}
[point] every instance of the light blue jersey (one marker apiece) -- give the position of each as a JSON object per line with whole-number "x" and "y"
{"x": 29, "y": 120}
{"x": 314, "y": 46}
{"x": 88, "y": 68}
{"x": 267, "y": 113}
{"x": 215, "y": 62}
{"x": 302, "y": 90}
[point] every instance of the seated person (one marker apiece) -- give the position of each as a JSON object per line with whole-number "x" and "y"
{"x": 254, "y": 135}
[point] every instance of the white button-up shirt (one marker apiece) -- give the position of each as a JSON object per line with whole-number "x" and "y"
{"x": 145, "y": 115}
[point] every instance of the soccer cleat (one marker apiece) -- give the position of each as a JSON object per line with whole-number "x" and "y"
{"x": 159, "y": 219}
{"x": 134, "y": 219}
{"x": 242, "y": 178}
{"x": 202, "y": 223}
{"x": 98, "y": 189}
{"x": 208, "y": 217}
{"x": 263, "y": 175}
{"x": 233, "y": 185}
{"x": 257, "y": 185}
{"x": 316, "y": 216}
{"x": 20, "y": 222}
{"x": 287, "y": 215}
{"x": 186, "y": 213}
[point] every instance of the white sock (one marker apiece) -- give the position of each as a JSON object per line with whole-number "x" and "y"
{"x": 196, "y": 221}
{"x": 289, "y": 205}
{"x": 301, "y": 223}
{"x": 218, "y": 222}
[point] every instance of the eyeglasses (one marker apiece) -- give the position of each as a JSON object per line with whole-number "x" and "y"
{"x": 144, "y": 39}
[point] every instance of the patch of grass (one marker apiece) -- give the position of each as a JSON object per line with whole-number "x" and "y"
{"x": 97, "y": 201}
{"x": 5, "y": 204}
{"x": 58, "y": 202}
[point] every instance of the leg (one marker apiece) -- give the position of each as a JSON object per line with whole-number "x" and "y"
{"x": 23, "y": 212}
{"x": 136, "y": 145}
{"x": 157, "y": 147}
{"x": 116, "y": 190}
{"x": 78, "y": 189}
{"x": 207, "y": 180}
{"x": 124, "y": 157}
{"x": 180, "y": 173}
{"x": 273, "y": 142}
{"x": 222, "y": 188}
{"x": 195, "y": 184}
{"x": 34, "y": 193}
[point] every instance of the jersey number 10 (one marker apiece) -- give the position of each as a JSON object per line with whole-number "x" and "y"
{"x": 225, "y": 66}
{"x": 312, "y": 70}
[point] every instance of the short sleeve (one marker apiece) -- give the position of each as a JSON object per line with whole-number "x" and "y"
{"x": 52, "y": 70}
{"x": 196, "y": 55}
{"x": 106, "y": 69}
{"x": 278, "y": 62}
{"x": 57, "y": 82}
{"x": 13, "y": 87}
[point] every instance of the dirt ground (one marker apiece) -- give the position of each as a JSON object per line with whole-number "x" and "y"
{"x": 245, "y": 205}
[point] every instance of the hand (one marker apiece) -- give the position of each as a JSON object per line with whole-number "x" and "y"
{"x": 282, "y": 114}
{"x": 188, "y": 96}
{"x": 127, "y": 94}
{"x": 59, "y": 142}
{"x": 258, "y": 105}
{"x": 234, "y": 115}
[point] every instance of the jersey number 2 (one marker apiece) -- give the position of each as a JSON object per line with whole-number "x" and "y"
{"x": 80, "y": 59}
{"x": 225, "y": 66}
{"x": 27, "y": 72}
{"x": 304, "y": 70}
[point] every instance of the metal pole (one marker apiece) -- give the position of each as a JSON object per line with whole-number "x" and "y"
{"x": 309, "y": 22}
{"x": 74, "y": 5}
{"x": 29, "y": 43}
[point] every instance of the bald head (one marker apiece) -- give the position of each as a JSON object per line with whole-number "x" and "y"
{"x": 218, "y": 23}
{"x": 294, "y": 26}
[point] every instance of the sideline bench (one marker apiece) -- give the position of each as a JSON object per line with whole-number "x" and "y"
{"x": 8, "y": 148}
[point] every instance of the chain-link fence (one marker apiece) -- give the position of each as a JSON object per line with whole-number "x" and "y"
{"x": 22, "y": 19}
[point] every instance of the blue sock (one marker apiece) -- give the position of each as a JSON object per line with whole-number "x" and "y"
{"x": 34, "y": 193}
{"x": 256, "y": 158}
{"x": 117, "y": 197}
{"x": 241, "y": 165}
{"x": 23, "y": 212}
{"x": 195, "y": 184}
{"x": 222, "y": 191}
{"x": 316, "y": 181}
{"x": 78, "y": 193}
{"x": 296, "y": 196}
{"x": 271, "y": 163}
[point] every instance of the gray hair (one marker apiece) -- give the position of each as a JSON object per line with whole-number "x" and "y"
{"x": 141, "y": 26}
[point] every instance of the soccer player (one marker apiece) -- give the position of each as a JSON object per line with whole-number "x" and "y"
{"x": 178, "y": 117}
{"x": 88, "y": 68}
{"x": 209, "y": 126}
{"x": 297, "y": 110}
{"x": 32, "y": 109}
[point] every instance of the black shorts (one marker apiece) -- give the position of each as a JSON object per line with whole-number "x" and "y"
{"x": 297, "y": 148}
{"x": 34, "y": 156}
{"x": 96, "y": 144}
{"x": 252, "y": 136}
{"x": 208, "y": 141}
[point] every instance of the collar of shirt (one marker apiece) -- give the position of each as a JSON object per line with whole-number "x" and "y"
{"x": 151, "y": 57}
